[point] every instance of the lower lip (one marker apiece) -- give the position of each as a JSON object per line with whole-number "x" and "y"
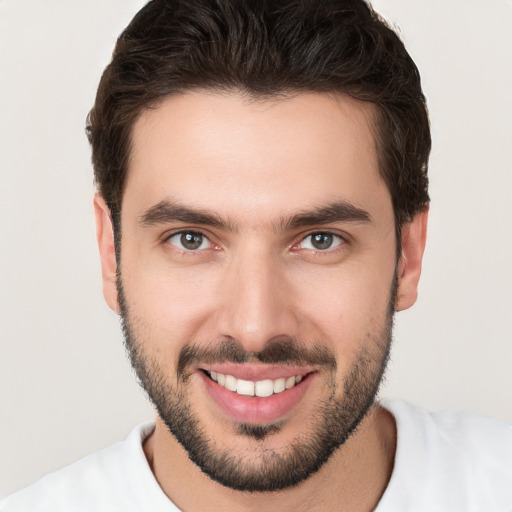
{"x": 255, "y": 410}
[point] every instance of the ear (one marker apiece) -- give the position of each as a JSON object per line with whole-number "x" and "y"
{"x": 105, "y": 237}
{"x": 414, "y": 235}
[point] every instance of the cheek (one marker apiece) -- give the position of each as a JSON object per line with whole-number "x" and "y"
{"x": 171, "y": 304}
{"x": 346, "y": 306}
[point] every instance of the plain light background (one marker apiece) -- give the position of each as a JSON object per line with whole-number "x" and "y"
{"x": 66, "y": 388}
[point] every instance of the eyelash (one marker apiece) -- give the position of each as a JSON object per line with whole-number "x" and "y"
{"x": 338, "y": 240}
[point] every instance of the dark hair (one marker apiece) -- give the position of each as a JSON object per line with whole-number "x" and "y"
{"x": 264, "y": 48}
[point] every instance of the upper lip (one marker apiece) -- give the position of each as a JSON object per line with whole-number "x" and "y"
{"x": 257, "y": 372}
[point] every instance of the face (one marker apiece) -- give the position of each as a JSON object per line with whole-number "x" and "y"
{"x": 258, "y": 278}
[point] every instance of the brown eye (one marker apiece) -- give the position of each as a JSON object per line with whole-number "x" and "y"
{"x": 321, "y": 241}
{"x": 189, "y": 241}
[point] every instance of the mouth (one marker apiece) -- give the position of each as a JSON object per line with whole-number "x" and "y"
{"x": 254, "y": 395}
{"x": 260, "y": 388}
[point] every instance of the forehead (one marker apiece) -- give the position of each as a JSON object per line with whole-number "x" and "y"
{"x": 234, "y": 154}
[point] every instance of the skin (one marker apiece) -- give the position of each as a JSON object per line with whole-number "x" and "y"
{"x": 256, "y": 164}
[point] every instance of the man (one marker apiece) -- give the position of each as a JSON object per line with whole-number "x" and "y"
{"x": 261, "y": 215}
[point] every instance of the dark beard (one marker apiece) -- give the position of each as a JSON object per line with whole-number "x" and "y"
{"x": 335, "y": 419}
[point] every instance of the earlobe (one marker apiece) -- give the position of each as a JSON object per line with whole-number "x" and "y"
{"x": 105, "y": 238}
{"x": 414, "y": 235}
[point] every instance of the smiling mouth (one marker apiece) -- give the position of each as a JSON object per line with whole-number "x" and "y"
{"x": 261, "y": 388}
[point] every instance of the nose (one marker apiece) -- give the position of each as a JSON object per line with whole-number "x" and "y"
{"x": 257, "y": 301}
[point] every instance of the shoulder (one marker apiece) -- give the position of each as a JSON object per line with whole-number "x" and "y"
{"x": 450, "y": 428}
{"x": 450, "y": 459}
{"x": 111, "y": 479}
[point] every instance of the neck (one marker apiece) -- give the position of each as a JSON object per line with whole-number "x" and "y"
{"x": 354, "y": 478}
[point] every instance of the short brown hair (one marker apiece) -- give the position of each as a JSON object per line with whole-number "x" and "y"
{"x": 264, "y": 48}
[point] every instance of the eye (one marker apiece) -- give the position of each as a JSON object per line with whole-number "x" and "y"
{"x": 189, "y": 241}
{"x": 320, "y": 241}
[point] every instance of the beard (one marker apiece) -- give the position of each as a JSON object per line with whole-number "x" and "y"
{"x": 335, "y": 419}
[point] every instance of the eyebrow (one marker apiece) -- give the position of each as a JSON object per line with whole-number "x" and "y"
{"x": 338, "y": 211}
{"x": 167, "y": 211}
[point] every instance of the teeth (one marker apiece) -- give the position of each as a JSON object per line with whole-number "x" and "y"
{"x": 261, "y": 388}
{"x": 264, "y": 388}
{"x": 230, "y": 383}
{"x": 290, "y": 382}
{"x": 280, "y": 385}
{"x": 245, "y": 387}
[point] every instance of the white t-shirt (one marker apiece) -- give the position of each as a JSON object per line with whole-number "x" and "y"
{"x": 445, "y": 462}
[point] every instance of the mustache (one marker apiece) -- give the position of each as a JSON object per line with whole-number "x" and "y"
{"x": 283, "y": 350}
